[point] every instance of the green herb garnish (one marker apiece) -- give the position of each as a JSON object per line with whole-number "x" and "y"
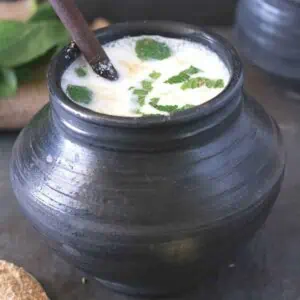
{"x": 194, "y": 83}
{"x": 155, "y": 75}
{"x": 147, "y": 85}
{"x": 140, "y": 92}
{"x": 187, "y": 106}
{"x": 147, "y": 49}
{"x": 168, "y": 108}
{"x": 80, "y": 94}
{"x": 165, "y": 108}
{"x": 183, "y": 76}
{"x": 131, "y": 88}
{"x": 141, "y": 100}
{"x": 81, "y": 72}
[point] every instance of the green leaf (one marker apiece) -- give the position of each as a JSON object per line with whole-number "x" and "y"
{"x": 81, "y": 72}
{"x": 183, "y": 76}
{"x": 21, "y": 42}
{"x": 192, "y": 70}
{"x": 80, "y": 94}
{"x": 165, "y": 108}
{"x": 187, "y": 106}
{"x": 35, "y": 69}
{"x": 44, "y": 12}
{"x": 194, "y": 83}
{"x": 147, "y": 49}
{"x": 140, "y": 92}
{"x": 8, "y": 83}
{"x": 155, "y": 75}
{"x": 147, "y": 85}
{"x": 168, "y": 108}
{"x": 141, "y": 100}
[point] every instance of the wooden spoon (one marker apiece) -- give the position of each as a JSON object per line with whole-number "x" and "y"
{"x": 85, "y": 39}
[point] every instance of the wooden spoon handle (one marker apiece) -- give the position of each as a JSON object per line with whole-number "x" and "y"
{"x": 85, "y": 39}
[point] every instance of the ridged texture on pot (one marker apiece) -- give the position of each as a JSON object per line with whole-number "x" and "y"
{"x": 268, "y": 34}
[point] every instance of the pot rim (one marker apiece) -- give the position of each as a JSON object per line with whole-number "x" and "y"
{"x": 194, "y": 33}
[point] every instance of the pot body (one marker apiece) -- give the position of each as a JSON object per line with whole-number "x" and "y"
{"x": 149, "y": 208}
{"x": 268, "y": 35}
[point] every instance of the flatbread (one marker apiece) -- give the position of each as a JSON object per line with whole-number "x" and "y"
{"x": 17, "y": 284}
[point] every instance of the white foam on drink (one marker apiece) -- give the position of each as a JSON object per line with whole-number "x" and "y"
{"x": 115, "y": 98}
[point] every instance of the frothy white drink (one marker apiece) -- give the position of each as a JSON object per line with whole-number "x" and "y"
{"x": 158, "y": 75}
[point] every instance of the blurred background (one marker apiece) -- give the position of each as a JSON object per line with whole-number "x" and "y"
{"x": 208, "y": 12}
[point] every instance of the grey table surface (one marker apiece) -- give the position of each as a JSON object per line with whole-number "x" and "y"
{"x": 267, "y": 269}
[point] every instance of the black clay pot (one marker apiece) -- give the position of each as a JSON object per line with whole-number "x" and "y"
{"x": 148, "y": 205}
{"x": 268, "y": 35}
{"x": 208, "y": 12}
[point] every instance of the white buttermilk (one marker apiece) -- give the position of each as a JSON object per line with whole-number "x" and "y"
{"x": 115, "y": 98}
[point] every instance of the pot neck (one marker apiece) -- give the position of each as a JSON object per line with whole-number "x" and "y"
{"x": 166, "y": 136}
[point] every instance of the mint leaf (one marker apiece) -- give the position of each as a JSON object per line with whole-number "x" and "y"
{"x": 44, "y": 12}
{"x": 154, "y": 101}
{"x": 147, "y": 49}
{"x": 141, "y": 100}
{"x": 140, "y": 92}
{"x": 147, "y": 85}
{"x": 183, "y": 76}
{"x": 21, "y": 42}
{"x": 80, "y": 94}
{"x": 187, "y": 106}
{"x": 194, "y": 83}
{"x": 219, "y": 84}
{"x": 155, "y": 75}
{"x": 165, "y": 108}
{"x": 168, "y": 108}
{"x": 81, "y": 72}
{"x": 8, "y": 83}
{"x": 192, "y": 70}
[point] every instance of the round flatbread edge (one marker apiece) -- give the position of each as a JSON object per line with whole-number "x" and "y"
{"x": 17, "y": 284}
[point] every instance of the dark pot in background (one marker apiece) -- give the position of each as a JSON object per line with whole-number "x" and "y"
{"x": 268, "y": 34}
{"x": 204, "y": 12}
{"x": 149, "y": 205}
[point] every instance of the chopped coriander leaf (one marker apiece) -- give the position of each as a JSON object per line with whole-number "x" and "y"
{"x": 147, "y": 49}
{"x": 147, "y": 85}
{"x": 141, "y": 100}
{"x": 80, "y": 94}
{"x": 219, "y": 83}
{"x": 155, "y": 75}
{"x": 194, "y": 83}
{"x": 131, "y": 88}
{"x": 81, "y": 72}
{"x": 140, "y": 92}
{"x": 192, "y": 70}
{"x": 154, "y": 101}
{"x": 165, "y": 108}
{"x": 187, "y": 106}
{"x": 183, "y": 76}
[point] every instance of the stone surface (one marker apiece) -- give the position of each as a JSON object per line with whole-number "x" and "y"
{"x": 268, "y": 268}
